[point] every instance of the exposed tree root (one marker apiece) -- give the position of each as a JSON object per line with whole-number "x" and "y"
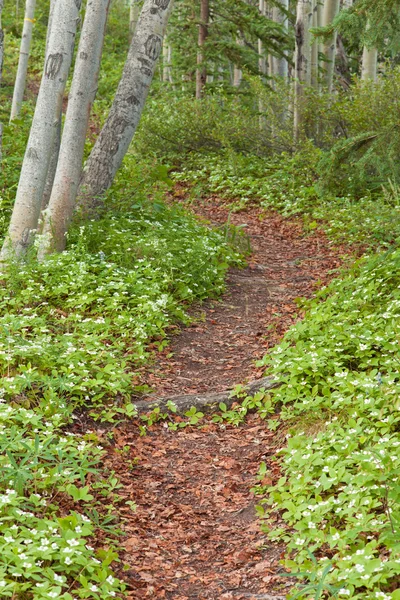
{"x": 205, "y": 402}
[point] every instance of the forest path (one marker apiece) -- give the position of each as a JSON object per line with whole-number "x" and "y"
{"x": 195, "y": 534}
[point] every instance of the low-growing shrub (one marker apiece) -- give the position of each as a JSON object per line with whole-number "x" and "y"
{"x": 339, "y": 490}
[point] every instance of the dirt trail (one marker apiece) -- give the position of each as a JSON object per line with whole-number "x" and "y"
{"x": 195, "y": 534}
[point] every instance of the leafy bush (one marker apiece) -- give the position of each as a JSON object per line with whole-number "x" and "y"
{"x": 339, "y": 493}
{"x": 366, "y": 156}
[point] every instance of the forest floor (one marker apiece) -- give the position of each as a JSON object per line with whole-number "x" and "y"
{"x": 195, "y": 533}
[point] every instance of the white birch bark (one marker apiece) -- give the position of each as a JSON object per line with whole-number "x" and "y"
{"x": 25, "y": 216}
{"x": 134, "y": 12}
{"x": 280, "y": 65}
{"x": 26, "y": 39}
{"x": 331, "y": 9}
{"x": 369, "y": 68}
{"x": 302, "y": 60}
{"x": 123, "y": 119}
{"x": 83, "y": 91}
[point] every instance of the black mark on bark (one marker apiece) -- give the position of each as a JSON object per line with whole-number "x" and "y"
{"x": 83, "y": 55}
{"x": 32, "y": 154}
{"x": 53, "y": 65}
{"x": 78, "y": 4}
{"x": 159, "y": 5}
{"x": 133, "y": 101}
{"x": 145, "y": 66}
{"x": 112, "y": 140}
{"x": 153, "y": 47}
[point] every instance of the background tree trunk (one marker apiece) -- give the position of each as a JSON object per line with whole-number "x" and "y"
{"x": 315, "y": 48}
{"x": 331, "y": 9}
{"x": 83, "y": 91}
{"x": 280, "y": 65}
{"x": 51, "y": 171}
{"x": 167, "y": 56}
{"x": 25, "y": 216}
{"x": 134, "y": 13}
{"x": 302, "y": 60}
{"x": 369, "y": 69}
{"x": 201, "y": 73}
{"x": 26, "y": 39}
{"x": 123, "y": 119}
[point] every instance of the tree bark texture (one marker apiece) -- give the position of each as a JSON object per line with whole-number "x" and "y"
{"x": 26, "y": 39}
{"x": 134, "y": 13}
{"x": 280, "y": 65}
{"x": 167, "y": 57}
{"x": 331, "y": 9}
{"x": 25, "y": 216}
{"x": 315, "y": 47}
{"x": 51, "y": 171}
{"x": 123, "y": 119}
{"x": 369, "y": 68}
{"x": 302, "y": 60}
{"x": 201, "y": 73}
{"x": 61, "y": 206}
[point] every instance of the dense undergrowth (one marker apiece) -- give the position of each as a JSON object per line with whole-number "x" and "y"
{"x": 338, "y": 497}
{"x": 75, "y": 329}
{"x": 339, "y": 493}
{"x": 73, "y": 332}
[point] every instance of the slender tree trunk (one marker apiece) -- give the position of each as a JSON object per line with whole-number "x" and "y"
{"x": 26, "y": 39}
{"x": 51, "y": 172}
{"x": 123, "y": 119}
{"x": 83, "y": 91}
{"x": 25, "y": 216}
{"x": 369, "y": 69}
{"x": 280, "y": 65}
{"x": 302, "y": 60}
{"x": 237, "y": 71}
{"x": 262, "y": 61}
{"x": 134, "y": 13}
{"x": 201, "y": 73}
{"x": 369, "y": 64}
{"x": 167, "y": 56}
{"x": 331, "y": 9}
{"x": 315, "y": 48}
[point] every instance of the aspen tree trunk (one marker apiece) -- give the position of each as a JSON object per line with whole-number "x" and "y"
{"x": 25, "y": 216}
{"x": 369, "y": 68}
{"x": 83, "y": 91}
{"x": 167, "y": 56}
{"x": 262, "y": 67}
{"x": 315, "y": 48}
{"x": 331, "y": 9}
{"x": 51, "y": 172}
{"x": 201, "y": 73}
{"x": 369, "y": 64}
{"x": 262, "y": 61}
{"x": 133, "y": 16}
{"x": 237, "y": 71}
{"x": 123, "y": 119}
{"x": 302, "y": 60}
{"x": 26, "y": 39}
{"x": 280, "y": 65}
